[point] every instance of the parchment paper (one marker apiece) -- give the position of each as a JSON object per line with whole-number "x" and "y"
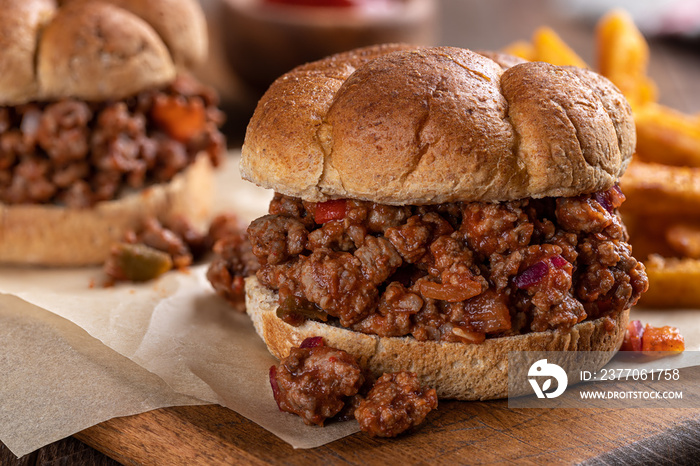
{"x": 75, "y": 354}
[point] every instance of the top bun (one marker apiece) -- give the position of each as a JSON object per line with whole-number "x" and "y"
{"x": 95, "y": 49}
{"x": 398, "y": 124}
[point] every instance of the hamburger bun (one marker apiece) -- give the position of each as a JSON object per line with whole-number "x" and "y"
{"x": 457, "y": 127}
{"x": 22, "y": 22}
{"x": 418, "y": 126}
{"x": 97, "y": 51}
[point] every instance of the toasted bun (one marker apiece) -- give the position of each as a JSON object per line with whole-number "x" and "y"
{"x": 95, "y": 50}
{"x": 397, "y": 124}
{"x": 456, "y": 370}
{"x": 58, "y": 236}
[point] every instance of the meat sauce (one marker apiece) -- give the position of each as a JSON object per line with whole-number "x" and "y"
{"x": 315, "y": 381}
{"x": 451, "y": 272}
{"x": 175, "y": 243}
{"x": 76, "y": 153}
{"x": 396, "y": 403}
{"x": 319, "y": 382}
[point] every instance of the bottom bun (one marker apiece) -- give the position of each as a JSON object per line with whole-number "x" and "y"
{"x": 459, "y": 371}
{"x": 58, "y": 236}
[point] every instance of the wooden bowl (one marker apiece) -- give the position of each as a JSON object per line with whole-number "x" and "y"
{"x": 263, "y": 39}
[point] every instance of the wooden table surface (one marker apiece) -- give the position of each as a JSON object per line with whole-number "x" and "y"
{"x": 456, "y": 433}
{"x": 483, "y": 432}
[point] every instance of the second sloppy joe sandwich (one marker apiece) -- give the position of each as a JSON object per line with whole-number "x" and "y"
{"x": 436, "y": 208}
{"x": 101, "y": 127}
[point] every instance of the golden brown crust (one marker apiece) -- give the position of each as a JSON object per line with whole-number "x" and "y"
{"x": 95, "y": 49}
{"x": 617, "y": 107}
{"x": 456, "y": 370}
{"x": 290, "y": 154}
{"x": 58, "y": 236}
{"x": 20, "y": 24}
{"x": 181, "y": 25}
{"x": 411, "y": 125}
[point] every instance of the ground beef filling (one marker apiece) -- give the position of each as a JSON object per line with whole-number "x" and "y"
{"x": 76, "y": 153}
{"x": 157, "y": 247}
{"x": 397, "y": 402}
{"x": 233, "y": 261}
{"x": 315, "y": 381}
{"x": 319, "y": 382}
{"x": 451, "y": 272}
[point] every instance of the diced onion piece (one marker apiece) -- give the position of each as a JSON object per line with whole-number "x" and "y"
{"x": 469, "y": 337}
{"x": 633, "y": 337}
{"x": 532, "y": 275}
{"x": 450, "y": 293}
{"x": 312, "y": 342}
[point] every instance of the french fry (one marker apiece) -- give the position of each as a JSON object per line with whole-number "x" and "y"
{"x": 623, "y": 57}
{"x": 684, "y": 239}
{"x": 648, "y": 234}
{"x": 673, "y": 283}
{"x": 551, "y": 48}
{"x": 652, "y": 188}
{"x": 667, "y": 136}
{"x": 522, "y": 49}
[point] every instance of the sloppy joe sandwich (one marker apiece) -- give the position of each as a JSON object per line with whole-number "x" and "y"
{"x": 101, "y": 126}
{"x": 436, "y": 208}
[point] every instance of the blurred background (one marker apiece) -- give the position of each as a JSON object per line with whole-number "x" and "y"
{"x": 254, "y": 41}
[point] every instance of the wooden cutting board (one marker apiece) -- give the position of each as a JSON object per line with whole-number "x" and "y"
{"x": 457, "y": 433}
